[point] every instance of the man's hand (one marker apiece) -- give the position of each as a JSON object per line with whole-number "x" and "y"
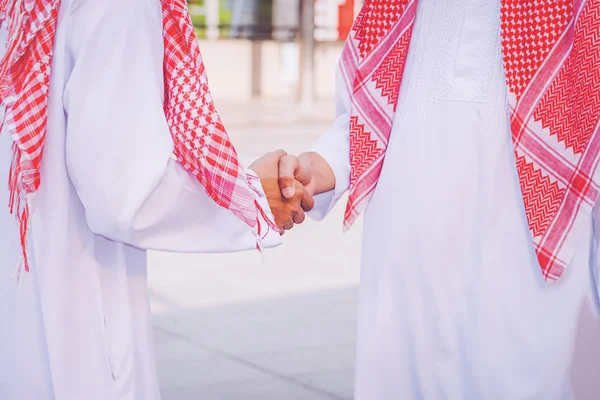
{"x": 294, "y": 169}
{"x": 286, "y": 210}
{"x": 309, "y": 169}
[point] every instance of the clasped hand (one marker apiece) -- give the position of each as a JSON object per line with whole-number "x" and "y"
{"x": 288, "y": 186}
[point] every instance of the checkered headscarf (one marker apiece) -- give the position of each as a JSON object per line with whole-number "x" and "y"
{"x": 201, "y": 143}
{"x": 551, "y": 52}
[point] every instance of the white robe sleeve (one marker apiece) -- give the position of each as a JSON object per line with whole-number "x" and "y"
{"x": 334, "y": 147}
{"x": 119, "y": 147}
{"x": 595, "y": 259}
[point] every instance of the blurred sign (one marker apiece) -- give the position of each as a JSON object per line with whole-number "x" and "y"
{"x": 345, "y": 18}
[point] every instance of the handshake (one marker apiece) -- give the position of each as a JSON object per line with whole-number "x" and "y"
{"x": 290, "y": 183}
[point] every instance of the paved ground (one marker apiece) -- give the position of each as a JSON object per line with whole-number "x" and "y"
{"x": 229, "y": 328}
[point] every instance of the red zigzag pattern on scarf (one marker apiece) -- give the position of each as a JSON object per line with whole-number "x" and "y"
{"x": 389, "y": 74}
{"x": 363, "y": 149}
{"x": 542, "y": 196}
{"x": 571, "y": 107}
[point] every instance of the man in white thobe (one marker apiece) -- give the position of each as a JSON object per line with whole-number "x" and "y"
{"x": 80, "y": 325}
{"x": 453, "y": 304}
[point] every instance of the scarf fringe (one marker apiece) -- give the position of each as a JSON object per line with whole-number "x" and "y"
{"x": 18, "y": 203}
{"x": 268, "y": 225}
{"x": 7, "y": 8}
{"x": 253, "y": 183}
{"x": 25, "y": 21}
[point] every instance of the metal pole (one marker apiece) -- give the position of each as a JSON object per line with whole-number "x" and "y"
{"x": 307, "y": 53}
{"x": 211, "y": 8}
{"x": 256, "y": 68}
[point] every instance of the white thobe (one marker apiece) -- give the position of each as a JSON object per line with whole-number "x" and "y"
{"x": 81, "y": 326}
{"x": 452, "y": 300}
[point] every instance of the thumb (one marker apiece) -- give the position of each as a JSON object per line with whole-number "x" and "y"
{"x": 302, "y": 172}
{"x": 287, "y": 171}
{"x": 277, "y": 154}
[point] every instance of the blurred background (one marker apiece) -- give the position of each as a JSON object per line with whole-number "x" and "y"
{"x": 231, "y": 326}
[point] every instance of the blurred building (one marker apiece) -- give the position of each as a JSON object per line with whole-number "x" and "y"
{"x": 269, "y": 58}
{"x": 274, "y": 19}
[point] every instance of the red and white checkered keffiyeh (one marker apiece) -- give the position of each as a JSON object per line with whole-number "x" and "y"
{"x": 551, "y": 51}
{"x": 201, "y": 143}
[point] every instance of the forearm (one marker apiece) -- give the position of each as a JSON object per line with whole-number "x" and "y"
{"x": 178, "y": 216}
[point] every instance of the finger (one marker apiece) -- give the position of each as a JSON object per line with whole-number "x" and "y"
{"x": 287, "y": 169}
{"x": 281, "y": 218}
{"x": 302, "y": 173}
{"x": 304, "y": 197}
{"x": 299, "y": 217}
{"x": 288, "y": 225}
{"x": 307, "y": 202}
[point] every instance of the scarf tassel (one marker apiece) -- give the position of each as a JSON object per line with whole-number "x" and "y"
{"x": 19, "y": 207}
{"x": 262, "y": 215}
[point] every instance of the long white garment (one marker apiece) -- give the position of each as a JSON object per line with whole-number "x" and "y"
{"x": 81, "y": 326}
{"x": 452, "y": 300}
